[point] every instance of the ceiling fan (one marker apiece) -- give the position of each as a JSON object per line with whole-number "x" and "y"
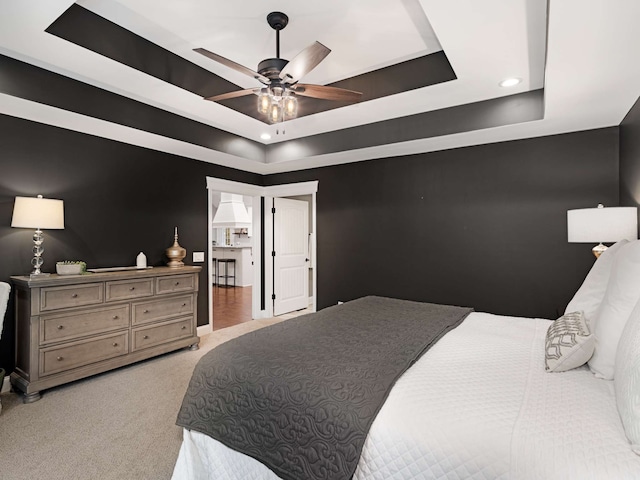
{"x": 277, "y": 99}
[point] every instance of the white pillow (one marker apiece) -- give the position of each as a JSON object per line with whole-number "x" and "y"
{"x": 627, "y": 378}
{"x": 623, "y": 292}
{"x": 590, "y": 294}
{"x": 569, "y": 343}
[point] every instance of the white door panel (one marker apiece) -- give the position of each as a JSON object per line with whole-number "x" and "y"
{"x": 290, "y": 263}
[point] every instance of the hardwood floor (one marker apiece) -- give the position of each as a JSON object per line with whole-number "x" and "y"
{"x": 231, "y": 306}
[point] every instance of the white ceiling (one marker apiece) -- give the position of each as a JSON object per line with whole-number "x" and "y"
{"x": 590, "y": 70}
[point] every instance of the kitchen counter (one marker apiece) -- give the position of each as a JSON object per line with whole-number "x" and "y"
{"x": 243, "y": 255}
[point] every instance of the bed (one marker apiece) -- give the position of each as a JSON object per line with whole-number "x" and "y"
{"x": 479, "y": 404}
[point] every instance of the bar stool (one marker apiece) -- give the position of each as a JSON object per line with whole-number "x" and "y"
{"x": 226, "y": 262}
{"x": 215, "y": 270}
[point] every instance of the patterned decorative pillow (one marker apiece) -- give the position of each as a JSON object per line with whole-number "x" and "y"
{"x": 569, "y": 343}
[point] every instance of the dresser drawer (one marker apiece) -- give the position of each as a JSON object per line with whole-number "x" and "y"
{"x": 145, "y": 312}
{"x": 175, "y": 284}
{"x": 145, "y": 337}
{"x": 127, "y": 289}
{"x": 53, "y": 298}
{"x": 68, "y": 326}
{"x": 78, "y": 354}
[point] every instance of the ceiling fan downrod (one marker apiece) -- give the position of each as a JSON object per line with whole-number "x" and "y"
{"x": 277, "y": 21}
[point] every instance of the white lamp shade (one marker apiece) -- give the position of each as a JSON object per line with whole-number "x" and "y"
{"x": 231, "y": 212}
{"x": 610, "y": 224}
{"x": 38, "y": 212}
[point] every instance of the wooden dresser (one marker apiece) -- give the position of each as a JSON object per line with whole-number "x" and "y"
{"x": 71, "y": 327}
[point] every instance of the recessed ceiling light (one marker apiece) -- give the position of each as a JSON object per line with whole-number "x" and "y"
{"x": 510, "y": 82}
{"x": 265, "y": 136}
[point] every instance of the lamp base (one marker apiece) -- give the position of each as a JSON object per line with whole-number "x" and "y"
{"x": 599, "y": 249}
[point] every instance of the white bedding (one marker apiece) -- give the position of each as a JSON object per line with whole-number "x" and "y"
{"x": 478, "y": 405}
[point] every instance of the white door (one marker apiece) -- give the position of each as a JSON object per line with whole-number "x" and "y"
{"x": 291, "y": 258}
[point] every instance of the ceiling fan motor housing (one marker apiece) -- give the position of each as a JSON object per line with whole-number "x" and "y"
{"x": 271, "y": 67}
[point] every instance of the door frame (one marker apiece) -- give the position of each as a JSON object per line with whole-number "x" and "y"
{"x": 255, "y": 191}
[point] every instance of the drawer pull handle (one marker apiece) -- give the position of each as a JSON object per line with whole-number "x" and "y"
{"x": 184, "y": 327}
{"x": 115, "y": 344}
{"x": 60, "y": 359}
{"x": 177, "y": 283}
{"x": 132, "y": 288}
{"x": 145, "y": 311}
{"x": 75, "y": 295}
{"x": 115, "y": 317}
{"x": 145, "y": 337}
{"x": 184, "y": 304}
{"x": 60, "y": 327}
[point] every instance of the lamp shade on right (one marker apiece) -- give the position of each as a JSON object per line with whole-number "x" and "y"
{"x": 602, "y": 224}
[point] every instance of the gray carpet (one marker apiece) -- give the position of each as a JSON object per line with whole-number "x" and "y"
{"x": 117, "y": 425}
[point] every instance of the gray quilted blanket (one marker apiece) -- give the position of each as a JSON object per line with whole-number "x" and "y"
{"x": 300, "y": 396}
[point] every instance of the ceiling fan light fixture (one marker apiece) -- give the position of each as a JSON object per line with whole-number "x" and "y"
{"x": 277, "y": 92}
{"x": 290, "y": 106}
{"x": 275, "y": 114}
{"x": 264, "y": 102}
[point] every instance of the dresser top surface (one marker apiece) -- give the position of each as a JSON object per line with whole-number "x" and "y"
{"x": 89, "y": 277}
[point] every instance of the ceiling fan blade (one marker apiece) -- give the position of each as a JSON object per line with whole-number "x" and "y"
{"x": 304, "y": 62}
{"x": 231, "y": 64}
{"x": 237, "y": 93}
{"x": 326, "y": 93}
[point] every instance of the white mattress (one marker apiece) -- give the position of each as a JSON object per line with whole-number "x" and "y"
{"x": 478, "y": 405}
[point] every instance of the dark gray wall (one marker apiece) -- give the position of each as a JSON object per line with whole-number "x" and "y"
{"x": 119, "y": 200}
{"x": 630, "y": 158}
{"x": 482, "y": 226}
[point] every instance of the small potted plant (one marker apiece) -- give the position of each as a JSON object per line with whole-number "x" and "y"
{"x": 71, "y": 267}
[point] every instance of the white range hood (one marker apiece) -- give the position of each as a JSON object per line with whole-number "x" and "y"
{"x": 231, "y": 212}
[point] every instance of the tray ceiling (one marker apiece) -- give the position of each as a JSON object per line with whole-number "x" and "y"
{"x": 422, "y": 61}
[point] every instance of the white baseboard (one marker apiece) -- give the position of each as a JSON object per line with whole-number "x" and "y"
{"x": 204, "y": 329}
{"x": 6, "y": 385}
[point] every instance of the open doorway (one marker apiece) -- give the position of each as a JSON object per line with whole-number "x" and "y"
{"x": 258, "y": 242}
{"x": 231, "y": 258}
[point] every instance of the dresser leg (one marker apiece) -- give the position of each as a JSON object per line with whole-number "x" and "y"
{"x": 31, "y": 397}
{"x": 194, "y": 347}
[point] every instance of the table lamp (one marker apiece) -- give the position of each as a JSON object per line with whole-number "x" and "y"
{"x": 39, "y": 213}
{"x": 611, "y": 224}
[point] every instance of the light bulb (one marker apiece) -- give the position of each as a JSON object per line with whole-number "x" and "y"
{"x": 276, "y": 111}
{"x": 290, "y": 106}
{"x": 264, "y": 102}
